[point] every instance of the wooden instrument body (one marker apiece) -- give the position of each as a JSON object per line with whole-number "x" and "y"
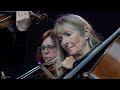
{"x": 108, "y": 66}
{"x": 5, "y": 21}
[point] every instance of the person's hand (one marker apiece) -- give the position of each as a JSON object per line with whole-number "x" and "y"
{"x": 3, "y": 76}
{"x": 52, "y": 68}
{"x": 23, "y": 20}
{"x": 68, "y": 62}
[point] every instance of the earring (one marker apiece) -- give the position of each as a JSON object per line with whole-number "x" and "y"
{"x": 87, "y": 38}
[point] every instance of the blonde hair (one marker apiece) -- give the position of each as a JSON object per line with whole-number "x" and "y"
{"x": 78, "y": 23}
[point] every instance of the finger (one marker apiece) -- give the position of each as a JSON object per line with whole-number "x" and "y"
{"x": 24, "y": 15}
{"x": 19, "y": 15}
{"x": 27, "y": 14}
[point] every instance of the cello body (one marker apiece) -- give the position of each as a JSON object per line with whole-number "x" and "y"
{"x": 108, "y": 65}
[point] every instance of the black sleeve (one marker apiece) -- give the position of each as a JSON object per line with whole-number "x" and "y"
{"x": 12, "y": 51}
{"x": 19, "y": 48}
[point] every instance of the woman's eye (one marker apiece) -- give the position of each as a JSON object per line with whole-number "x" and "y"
{"x": 60, "y": 39}
{"x": 68, "y": 34}
{"x": 51, "y": 46}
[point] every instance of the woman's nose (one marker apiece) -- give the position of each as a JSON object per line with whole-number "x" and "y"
{"x": 65, "y": 40}
{"x": 46, "y": 50}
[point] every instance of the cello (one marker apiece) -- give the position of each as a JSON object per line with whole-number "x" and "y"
{"x": 108, "y": 65}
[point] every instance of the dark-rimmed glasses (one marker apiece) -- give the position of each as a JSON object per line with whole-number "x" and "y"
{"x": 47, "y": 47}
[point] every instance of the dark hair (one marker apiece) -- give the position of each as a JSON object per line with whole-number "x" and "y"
{"x": 44, "y": 36}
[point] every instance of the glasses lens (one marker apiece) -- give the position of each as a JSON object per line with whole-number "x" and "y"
{"x": 48, "y": 47}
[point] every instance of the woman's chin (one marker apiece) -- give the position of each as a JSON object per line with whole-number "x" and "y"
{"x": 72, "y": 53}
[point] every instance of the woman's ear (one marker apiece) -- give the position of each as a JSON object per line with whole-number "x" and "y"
{"x": 87, "y": 32}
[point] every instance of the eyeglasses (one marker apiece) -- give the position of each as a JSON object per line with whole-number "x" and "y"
{"x": 48, "y": 47}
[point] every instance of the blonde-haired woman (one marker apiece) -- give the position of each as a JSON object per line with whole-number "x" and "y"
{"x": 75, "y": 37}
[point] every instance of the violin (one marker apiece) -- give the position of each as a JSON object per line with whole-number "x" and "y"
{"x": 5, "y": 21}
{"x": 7, "y": 18}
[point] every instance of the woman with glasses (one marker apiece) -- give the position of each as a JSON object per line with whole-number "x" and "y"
{"x": 47, "y": 47}
{"x": 47, "y": 53}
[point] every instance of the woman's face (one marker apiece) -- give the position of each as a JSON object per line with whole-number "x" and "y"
{"x": 48, "y": 49}
{"x": 71, "y": 41}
